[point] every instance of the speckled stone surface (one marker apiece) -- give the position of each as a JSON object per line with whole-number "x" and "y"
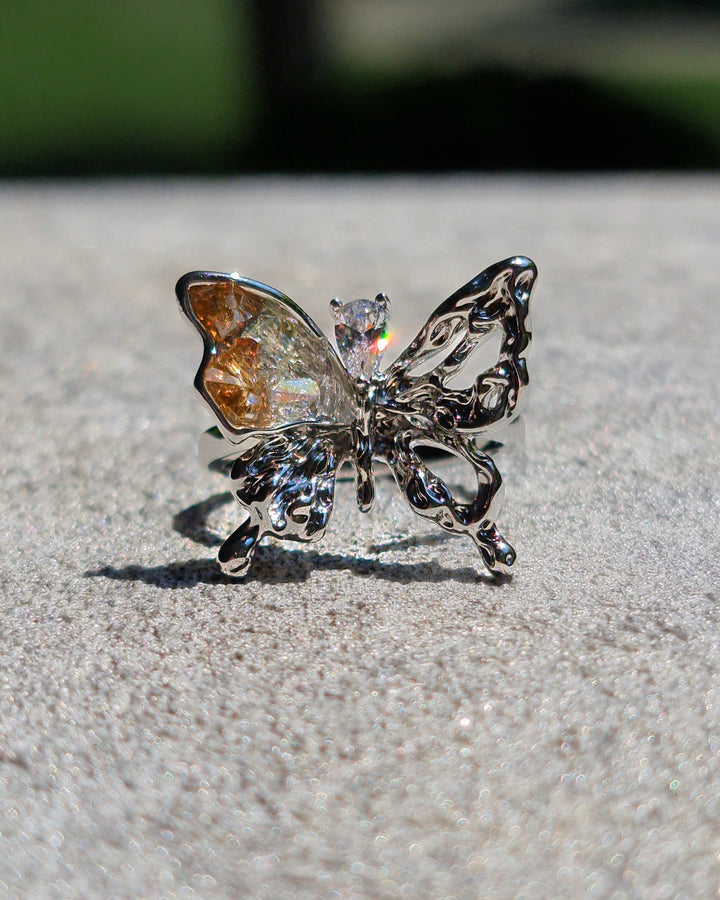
{"x": 369, "y": 717}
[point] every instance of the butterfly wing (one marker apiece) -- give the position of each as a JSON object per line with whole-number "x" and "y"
{"x": 284, "y": 403}
{"x": 266, "y": 363}
{"x": 286, "y": 482}
{"x": 431, "y": 498}
{"x": 495, "y": 300}
{"x": 421, "y": 409}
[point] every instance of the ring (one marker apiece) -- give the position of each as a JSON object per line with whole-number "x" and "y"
{"x": 291, "y": 410}
{"x": 218, "y": 454}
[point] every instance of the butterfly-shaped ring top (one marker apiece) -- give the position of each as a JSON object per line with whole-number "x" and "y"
{"x": 291, "y": 410}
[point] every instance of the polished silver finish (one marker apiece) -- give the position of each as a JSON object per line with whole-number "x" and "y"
{"x": 284, "y": 477}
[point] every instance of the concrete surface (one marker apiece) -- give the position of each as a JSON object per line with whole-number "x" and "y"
{"x": 371, "y": 716}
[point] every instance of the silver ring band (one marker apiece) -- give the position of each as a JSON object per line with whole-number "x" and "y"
{"x": 217, "y": 453}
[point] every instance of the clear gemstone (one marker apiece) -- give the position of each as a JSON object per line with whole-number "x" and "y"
{"x": 360, "y": 334}
{"x": 267, "y": 367}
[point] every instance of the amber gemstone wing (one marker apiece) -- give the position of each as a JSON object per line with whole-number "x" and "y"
{"x": 266, "y": 364}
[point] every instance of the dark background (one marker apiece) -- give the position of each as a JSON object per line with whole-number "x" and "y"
{"x": 224, "y": 86}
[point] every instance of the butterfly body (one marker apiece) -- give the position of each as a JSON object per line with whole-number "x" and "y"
{"x": 291, "y": 411}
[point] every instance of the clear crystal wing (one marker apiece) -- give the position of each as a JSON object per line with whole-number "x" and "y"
{"x": 419, "y": 407}
{"x": 495, "y": 300}
{"x": 266, "y": 364}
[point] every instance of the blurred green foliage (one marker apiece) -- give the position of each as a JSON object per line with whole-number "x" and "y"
{"x": 210, "y": 86}
{"x": 102, "y": 86}
{"x": 691, "y": 103}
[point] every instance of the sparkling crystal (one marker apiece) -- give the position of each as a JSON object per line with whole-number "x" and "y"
{"x": 223, "y": 308}
{"x": 360, "y": 334}
{"x": 267, "y": 367}
{"x": 231, "y": 378}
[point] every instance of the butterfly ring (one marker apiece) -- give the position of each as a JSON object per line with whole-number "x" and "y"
{"x": 291, "y": 410}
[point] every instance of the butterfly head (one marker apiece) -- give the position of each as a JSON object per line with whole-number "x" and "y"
{"x": 361, "y": 334}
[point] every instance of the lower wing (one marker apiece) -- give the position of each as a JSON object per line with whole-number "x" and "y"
{"x": 286, "y": 483}
{"x": 430, "y": 497}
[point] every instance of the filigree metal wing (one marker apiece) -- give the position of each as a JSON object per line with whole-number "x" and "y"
{"x": 285, "y": 405}
{"x": 419, "y": 408}
{"x": 285, "y": 480}
{"x": 495, "y": 300}
{"x": 430, "y": 497}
